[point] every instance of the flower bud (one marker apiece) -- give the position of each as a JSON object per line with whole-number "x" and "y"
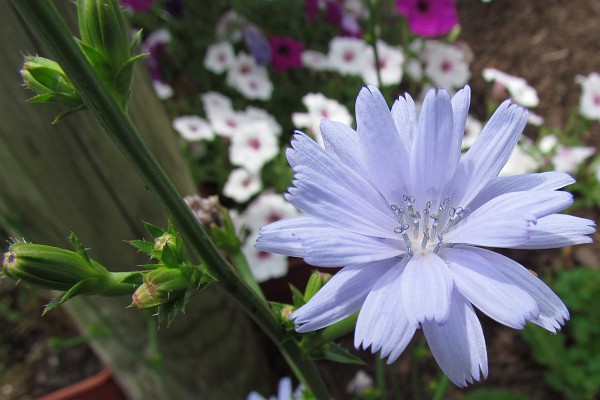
{"x": 162, "y": 285}
{"x": 166, "y": 239}
{"x": 315, "y": 283}
{"x": 47, "y": 79}
{"x": 52, "y": 267}
{"x": 102, "y": 27}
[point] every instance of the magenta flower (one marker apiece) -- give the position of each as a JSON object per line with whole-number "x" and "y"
{"x": 429, "y": 18}
{"x": 410, "y": 220}
{"x": 286, "y": 53}
{"x": 138, "y": 5}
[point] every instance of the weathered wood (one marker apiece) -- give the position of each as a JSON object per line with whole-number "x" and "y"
{"x": 70, "y": 176}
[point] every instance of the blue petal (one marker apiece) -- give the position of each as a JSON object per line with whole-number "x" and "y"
{"x": 431, "y": 147}
{"x": 460, "y": 110}
{"x": 285, "y": 236}
{"x": 553, "y": 312}
{"x": 426, "y": 288}
{"x": 321, "y": 197}
{"x": 404, "y": 114}
{"x": 490, "y": 290}
{"x": 382, "y": 150}
{"x": 545, "y": 181}
{"x": 341, "y": 296}
{"x": 489, "y": 153}
{"x": 342, "y": 141}
{"x": 382, "y": 322}
{"x": 458, "y": 346}
{"x": 559, "y": 230}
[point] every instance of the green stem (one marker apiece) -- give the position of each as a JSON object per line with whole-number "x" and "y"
{"x": 47, "y": 24}
{"x": 329, "y": 334}
{"x": 443, "y": 384}
{"x": 414, "y": 372}
{"x": 241, "y": 263}
{"x": 373, "y": 32}
{"x": 380, "y": 375}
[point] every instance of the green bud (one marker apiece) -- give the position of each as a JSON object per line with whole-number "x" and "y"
{"x": 105, "y": 43}
{"x": 47, "y": 79}
{"x": 315, "y": 283}
{"x": 52, "y": 267}
{"x": 164, "y": 240}
{"x": 102, "y": 27}
{"x": 162, "y": 286}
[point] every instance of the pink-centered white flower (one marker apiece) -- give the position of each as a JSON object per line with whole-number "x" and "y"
{"x": 193, "y": 128}
{"x": 219, "y": 57}
{"x": 517, "y": 87}
{"x": 241, "y": 185}
{"x": 319, "y": 108}
{"x": 253, "y": 145}
{"x": 589, "y": 102}
{"x": 446, "y": 65}
{"x": 390, "y": 65}
{"x": 266, "y": 208}
{"x": 405, "y": 214}
{"x": 347, "y": 55}
{"x": 249, "y": 78}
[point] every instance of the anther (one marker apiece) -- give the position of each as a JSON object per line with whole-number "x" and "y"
{"x": 409, "y": 200}
{"x": 440, "y": 244}
{"x": 444, "y": 205}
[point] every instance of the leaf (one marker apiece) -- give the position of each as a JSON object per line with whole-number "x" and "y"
{"x": 135, "y": 279}
{"x": 297, "y": 297}
{"x": 65, "y": 114}
{"x": 335, "y": 352}
{"x": 143, "y": 246}
{"x": 168, "y": 258}
{"x": 154, "y": 230}
{"x": 57, "y": 301}
{"x": 78, "y": 246}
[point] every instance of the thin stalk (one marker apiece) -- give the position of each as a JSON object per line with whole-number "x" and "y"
{"x": 43, "y": 18}
{"x": 373, "y": 32}
{"x": 414, "y": 372}
{"x": 380, "y": 376}
{"x": 443, "y": 384}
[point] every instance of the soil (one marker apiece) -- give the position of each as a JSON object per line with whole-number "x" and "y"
{"x": 548, "y": 43}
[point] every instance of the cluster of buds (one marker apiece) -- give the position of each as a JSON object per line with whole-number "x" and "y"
{"x": 172, "y": 280}
{"x": 72, "y": 272}
{"x": 106, "y": 45}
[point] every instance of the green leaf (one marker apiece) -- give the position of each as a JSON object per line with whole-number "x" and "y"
{"x": 154, "y": 230}
{"x": 57, "y": 301}
{"x": 335, "y": 352}
{"x": 168, "y": 258}
{"x": 135, "y": 279}
{"x": 78, "y": 246}
{"x": 143, "y": 246}
{"x": 297, "y": 297}
{"x": 65, "y": 114}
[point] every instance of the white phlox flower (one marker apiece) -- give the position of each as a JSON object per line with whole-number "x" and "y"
{"x": 390, "y": 65}
{"x": 589, "y": 102}
{"x": 252, "y": 145}
{"x": 319, "y": 108}
{"x": 163, "y": 90}
{"x": 249, "y": 78}
{"x": 347, "y": 55}
{"x": 193, "y": 128}
{"x": 446, "y": 65}
{"x": 564, "y": 158}
{"x": 472, "y": 129}
{"x": 219, "y": 57}
{"x": 518, "y": 88}
{"x": 241, "y": 185}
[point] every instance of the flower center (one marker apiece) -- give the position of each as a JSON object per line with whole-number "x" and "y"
{"x": 425, "y": 232}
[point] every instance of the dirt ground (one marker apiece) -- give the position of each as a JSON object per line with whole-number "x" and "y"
{"x": 547, "y": 42}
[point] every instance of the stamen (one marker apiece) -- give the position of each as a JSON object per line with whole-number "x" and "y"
{"x": 434, "y": 225}
{"x": 402, "y": 231}
{"x": 410, "y": 200}
{"x": 440, "y": 245}
{"x": 399, "y": 213}
{"x": 425, "y": 237}
{"x": 415, "y": 219}
{"x": 426, "y": 214}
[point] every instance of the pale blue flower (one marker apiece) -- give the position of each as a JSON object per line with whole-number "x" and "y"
{"x": 396, "y": 205}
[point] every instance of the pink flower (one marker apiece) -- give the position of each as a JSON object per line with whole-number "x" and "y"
{"x": 287, "y": 53}
{"x": 429, "y": 18}
{"x": 138, "y": 5}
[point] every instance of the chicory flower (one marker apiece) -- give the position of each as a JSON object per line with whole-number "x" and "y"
{"x": 405, "y": 214}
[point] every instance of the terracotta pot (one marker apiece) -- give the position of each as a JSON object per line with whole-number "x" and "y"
{"x": 98, "y": 387}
